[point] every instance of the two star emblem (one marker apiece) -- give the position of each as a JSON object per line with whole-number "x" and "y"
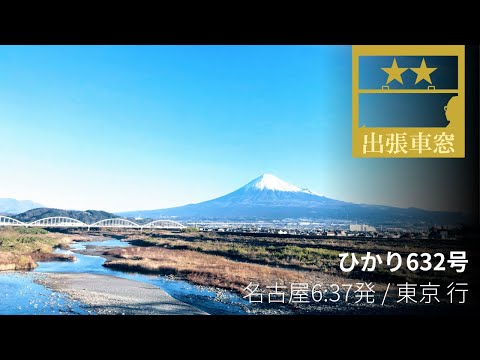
{"x": 395, "y": 73}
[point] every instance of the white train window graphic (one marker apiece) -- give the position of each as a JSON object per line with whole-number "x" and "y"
{"x": 409, "y": 94}
{"x": 406, "y": 91}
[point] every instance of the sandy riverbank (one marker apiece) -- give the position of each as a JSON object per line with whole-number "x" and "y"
{"x": 109, "y": 295}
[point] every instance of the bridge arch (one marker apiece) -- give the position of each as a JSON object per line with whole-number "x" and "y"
{"x": 163, "y": 224}
{"x": 58, "y": 221}
{"x": 114, "y": 223}
{"x": 8, "y": 221}
{"x": 63, "y": 221}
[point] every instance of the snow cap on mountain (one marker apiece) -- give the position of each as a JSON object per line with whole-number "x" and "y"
{"x": 271, "y": 182}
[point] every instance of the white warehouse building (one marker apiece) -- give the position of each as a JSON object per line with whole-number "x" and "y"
{"x": 362, "y": 227}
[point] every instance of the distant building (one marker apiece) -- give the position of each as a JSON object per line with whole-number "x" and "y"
{"x": 443, "y": 234}
{"x": 356, "y": 227}
{"x": 362, "y": 227}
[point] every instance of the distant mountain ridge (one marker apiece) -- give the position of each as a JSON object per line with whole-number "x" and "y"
{"x": 14, "y": 206}
{"x": 270, "y": 198}
{"x": 88, "y": 216}
{"x": 265, "y": 198}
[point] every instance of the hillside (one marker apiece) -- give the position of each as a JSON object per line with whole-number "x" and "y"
{"x": 88, "y": 216}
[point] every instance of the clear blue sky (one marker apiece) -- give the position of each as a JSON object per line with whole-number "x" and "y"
{"x": 145, "y": 127}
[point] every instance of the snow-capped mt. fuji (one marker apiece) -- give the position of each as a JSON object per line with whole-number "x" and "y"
{"x": 269, "y": 191}
{"x": 271, "y": 182}
{"x": 268, "y": 197}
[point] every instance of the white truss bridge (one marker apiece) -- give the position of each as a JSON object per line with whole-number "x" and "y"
{"x": 66, "y": 222}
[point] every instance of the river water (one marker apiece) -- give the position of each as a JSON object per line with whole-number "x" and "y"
{"x": 19, "y": 294}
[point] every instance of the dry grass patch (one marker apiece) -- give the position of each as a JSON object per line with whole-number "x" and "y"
{"x": 289, "y": 256}
{"x": 205, "y": 269}
{"x": 9, "y": 261}
{"x": 20, "y": 248}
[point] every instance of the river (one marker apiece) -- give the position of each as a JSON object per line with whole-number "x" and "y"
{"x": 20, "y": 294}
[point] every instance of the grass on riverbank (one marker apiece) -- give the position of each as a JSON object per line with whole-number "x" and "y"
{"x": 289, "y": 256}
{"x": 206, "y": 269}
{"x": 20, "y": 248}
{"x": 311, "y": 255}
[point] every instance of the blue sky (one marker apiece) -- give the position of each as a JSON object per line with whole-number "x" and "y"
{"x": 144, "y": 127}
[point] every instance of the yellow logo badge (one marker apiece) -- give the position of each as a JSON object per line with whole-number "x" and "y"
{"x": 408, "y": 101}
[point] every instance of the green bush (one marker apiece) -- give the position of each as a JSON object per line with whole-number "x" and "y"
{"x": 33, "y": 231}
